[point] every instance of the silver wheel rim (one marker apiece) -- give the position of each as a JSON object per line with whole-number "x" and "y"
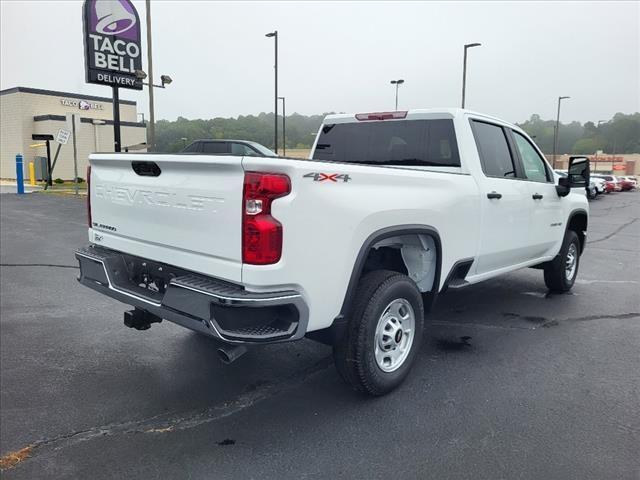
{"x": 394, "y": 335}
{"x": 571, "y": 262}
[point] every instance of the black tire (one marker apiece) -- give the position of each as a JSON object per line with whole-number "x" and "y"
{"x": 354, "y": 353}
{"x": 555, "y": 272}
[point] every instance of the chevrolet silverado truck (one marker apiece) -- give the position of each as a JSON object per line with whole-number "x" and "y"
{"x": 350, "y": 247}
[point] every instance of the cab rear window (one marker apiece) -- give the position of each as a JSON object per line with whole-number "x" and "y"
{"x": 397, "y": 142}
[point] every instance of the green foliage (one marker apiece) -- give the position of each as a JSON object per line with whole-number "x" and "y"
{"x": 58, "y": 181}
{"x": 301, "y": 130}
{"x": 621, "y": 134}
{"x": 586, "y": 146}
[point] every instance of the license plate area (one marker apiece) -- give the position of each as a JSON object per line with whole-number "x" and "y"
{"x": 140, "y": 276}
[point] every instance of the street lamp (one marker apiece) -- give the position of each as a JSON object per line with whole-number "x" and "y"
{"x": 184, "y": 142}
{"x": 556, "y": 134}
{"x": 274, "y": 35}
{"x": 397, "y": 83}
{"x": 464, "y": 69}
{"x": 284, "y": 127}
{"x": 165, "y": 79}
{"x": 140, "y": 74}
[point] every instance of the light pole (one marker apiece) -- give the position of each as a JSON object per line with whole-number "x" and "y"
{"x": 397, "y": 83}
{"x": 284, "y": 127}
{"x": 464, "y": 69}
{"x": 274, "y": 34}
{"x": 556, "y": 134}
{"x": 166, "y": 80}
{"x": 151, "y": 131}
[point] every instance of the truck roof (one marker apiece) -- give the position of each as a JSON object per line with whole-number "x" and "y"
{"x": 416, "y": 114}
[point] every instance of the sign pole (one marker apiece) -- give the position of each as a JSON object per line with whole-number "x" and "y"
{"x": 75, "y": 153}
{"x": 151, "y": 129}
{"x": 50, "y": 176}
{"x": 116, "y": 120}
{"x": 55, "y": 159}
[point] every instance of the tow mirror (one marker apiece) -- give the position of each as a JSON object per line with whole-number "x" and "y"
{"x": 577, "y": 176}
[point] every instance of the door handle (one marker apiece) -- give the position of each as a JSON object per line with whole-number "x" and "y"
{"x": 537, "y": 196}
{"x": 495, "y": 195}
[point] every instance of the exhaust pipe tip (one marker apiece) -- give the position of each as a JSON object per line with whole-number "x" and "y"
{"x": 230, "y": 353}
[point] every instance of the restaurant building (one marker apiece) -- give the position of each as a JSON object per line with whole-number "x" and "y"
{"x": 28, "y": 111}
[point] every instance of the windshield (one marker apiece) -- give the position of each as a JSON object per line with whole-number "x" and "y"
{"x": 399, "y": 142}
{"x": 262, "y": 149}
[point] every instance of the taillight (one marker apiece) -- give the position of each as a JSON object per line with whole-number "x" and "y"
{"x": 261, "y": 233}
{"x": 381, "y": 115}
{"x": 89, "y": 195}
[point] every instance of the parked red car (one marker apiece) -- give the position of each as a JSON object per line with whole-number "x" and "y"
{"x": 625, "y": 184}
{"x": 612, "y": 184}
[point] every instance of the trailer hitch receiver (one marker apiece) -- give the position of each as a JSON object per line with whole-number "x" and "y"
{"x": 140, "y": 319}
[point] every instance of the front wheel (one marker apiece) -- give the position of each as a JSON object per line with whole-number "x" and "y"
{"x": 384, "y": 334}
{"x": 560, "y": 274}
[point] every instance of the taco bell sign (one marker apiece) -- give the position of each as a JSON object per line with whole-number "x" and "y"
{"x": 112, "y": 43}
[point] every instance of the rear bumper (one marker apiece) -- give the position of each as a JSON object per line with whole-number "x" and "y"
{"x": 214, "y": 307}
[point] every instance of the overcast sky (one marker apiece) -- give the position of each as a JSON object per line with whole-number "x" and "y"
{"x": 340, "y": 56}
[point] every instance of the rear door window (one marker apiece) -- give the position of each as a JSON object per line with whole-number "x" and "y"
{"x": 493, "y": 148}
{"x": 216, "y": 147}
{"x": 397, "y": 142}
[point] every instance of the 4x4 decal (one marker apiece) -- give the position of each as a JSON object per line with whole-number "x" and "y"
{"x": 331, "y": 177}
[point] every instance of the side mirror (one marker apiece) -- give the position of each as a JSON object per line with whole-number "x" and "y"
{"x": 579, "y": 172}
{"x": 563, "y": 187}
{"x": 578, "y": 176}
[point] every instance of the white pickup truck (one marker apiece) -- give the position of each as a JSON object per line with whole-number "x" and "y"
{"x": 350, "y": 247}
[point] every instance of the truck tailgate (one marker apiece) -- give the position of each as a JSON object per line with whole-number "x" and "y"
{"x": 183, "y": 210}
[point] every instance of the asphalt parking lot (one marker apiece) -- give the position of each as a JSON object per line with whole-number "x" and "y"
{"x": 510, "y": 383}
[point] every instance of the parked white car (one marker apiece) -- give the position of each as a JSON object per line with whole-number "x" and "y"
{"x": 600, "y": 184}
{"x": 351, "y": 247}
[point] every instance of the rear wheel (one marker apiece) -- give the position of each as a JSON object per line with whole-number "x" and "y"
{"x": 560, "y": 274}
{"x": 384, "y": 333}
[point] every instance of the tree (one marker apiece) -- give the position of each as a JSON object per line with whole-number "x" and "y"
{"x": 585, "y": 146}
{"x": 619, "y": 135}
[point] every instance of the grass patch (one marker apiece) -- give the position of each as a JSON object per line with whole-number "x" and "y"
{"x": 66, "y": 188}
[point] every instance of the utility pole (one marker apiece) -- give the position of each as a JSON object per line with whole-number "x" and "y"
{"x": 274, "y": 35}
{"x": 464, "y": 69}
{"x": 284, "y": 127}
{"x": 151, "y": 130}
{"x": 117, "y": 143}
{"x": 556, "y": 133}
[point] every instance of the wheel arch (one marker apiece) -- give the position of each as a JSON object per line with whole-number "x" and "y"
{"x": 377, "y": 237}
{"x": 578, "y": 221}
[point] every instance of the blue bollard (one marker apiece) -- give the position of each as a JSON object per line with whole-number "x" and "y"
{"x": 19, "y": 174}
